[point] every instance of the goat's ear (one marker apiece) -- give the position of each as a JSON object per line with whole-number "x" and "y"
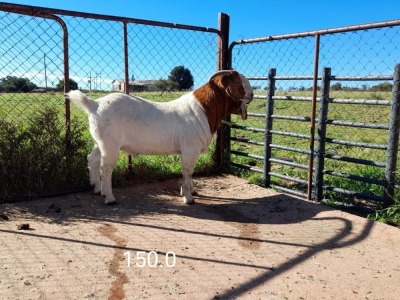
{"x": 231, "y": 84}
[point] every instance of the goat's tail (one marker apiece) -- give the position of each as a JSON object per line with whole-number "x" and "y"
{"x": 85, "y": 103}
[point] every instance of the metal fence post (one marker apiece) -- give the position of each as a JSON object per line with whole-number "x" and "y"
{"x": 269, "y": 106}
{"x": 393, "y": 142}
{"x": 126, "y": 76}
{"x": 321, "y": 134}
{"x": 313, "y": 113}
{"x": 222, "y": 147}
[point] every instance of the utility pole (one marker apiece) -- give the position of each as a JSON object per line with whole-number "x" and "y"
{"x": 90, "y": 81}
{"x": 45, "y": 71}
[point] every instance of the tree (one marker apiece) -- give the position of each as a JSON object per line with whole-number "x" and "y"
{"x": 16, "y": 84}
{"x": 166, "y": 85}
{"x": 182, "y": 77}
{"x": 382, "y": 87}
{"x": 72, "y": 85}
{"x": 336, "y": 87}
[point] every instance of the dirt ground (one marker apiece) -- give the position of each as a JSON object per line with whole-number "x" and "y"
{"x": 239, "y": 241}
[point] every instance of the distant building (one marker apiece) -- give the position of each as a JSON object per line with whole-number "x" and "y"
{"x": 135, "y": 85}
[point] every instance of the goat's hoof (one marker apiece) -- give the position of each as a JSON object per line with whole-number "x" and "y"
{"x": 111, "y": 203}
{"x": 188, "y": 201}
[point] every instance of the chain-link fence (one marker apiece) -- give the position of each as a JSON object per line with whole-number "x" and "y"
{"x": 353, "y": 142}
{"x": 44, "y": 141}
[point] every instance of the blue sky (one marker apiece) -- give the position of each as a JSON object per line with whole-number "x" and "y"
{"x": 248, "y": 18}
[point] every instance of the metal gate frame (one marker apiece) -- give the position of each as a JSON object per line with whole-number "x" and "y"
{"x": 315, "y": 182}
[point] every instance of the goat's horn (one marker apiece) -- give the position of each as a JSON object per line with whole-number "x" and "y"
{"x": 223, "y": 72}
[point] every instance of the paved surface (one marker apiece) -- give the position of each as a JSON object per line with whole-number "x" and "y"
{"x": 239, "y": 241}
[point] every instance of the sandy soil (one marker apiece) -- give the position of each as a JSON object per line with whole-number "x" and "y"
{"x": 239, "y": 241}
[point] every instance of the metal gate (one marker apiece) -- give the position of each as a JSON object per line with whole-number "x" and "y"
{"x": 330, "y": 136}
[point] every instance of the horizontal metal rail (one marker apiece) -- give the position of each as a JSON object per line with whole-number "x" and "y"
{"x": 355, "y": 160}
{"x": 257, "y": 115}
{"x": 247, "y": 141}
{"x": 31, "y": 10}
{"x": 289, "y": 191}
{"x": 292, "y": 134}
{"x": 315, "y": 33}
{"x": 259, "y": 97}
{"x": 298, "y": 150}
{"x": 363, "y": 78}
{"x": 358, "y": 124}
{"x": 246, "y": 167}
{"x": 289, "y": 178}
{"x": 246, "y": 154}
{"x": 355, "y": 177}
{"x": 360, "y": 101}
{"x": 333, "y": 78}
{"x": 353, "y": 193}
{"x": 357, "y": 144}
{"x": 293, "y": 118}
{"x": 288, "y": 163}
{"x": 293, "y": 98}
{"x": 247, "y": 128}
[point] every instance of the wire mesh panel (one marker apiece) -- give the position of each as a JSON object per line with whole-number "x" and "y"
{"x": 42, "y": 48}
{"x": 31, "y": 63}
{"x": 291, "y": 58}
{"x": 366, "y": 54}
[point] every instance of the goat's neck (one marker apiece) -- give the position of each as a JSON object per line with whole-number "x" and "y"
{"x": 217, "y": 104}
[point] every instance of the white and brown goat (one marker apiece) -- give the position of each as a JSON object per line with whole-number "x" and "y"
{"x": 184, "y": 126}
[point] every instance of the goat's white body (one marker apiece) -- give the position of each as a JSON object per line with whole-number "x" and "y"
{"x": 138, "y": 126}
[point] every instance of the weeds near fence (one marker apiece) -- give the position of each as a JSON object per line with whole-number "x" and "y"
{"x": 389, "y": 215}
{"x": 34, "y": 158}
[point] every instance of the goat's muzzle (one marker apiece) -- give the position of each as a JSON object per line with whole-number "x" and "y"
{"x": 243, "y": 107}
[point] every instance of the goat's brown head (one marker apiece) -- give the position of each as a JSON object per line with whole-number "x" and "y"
{"x": 236, "y": 86}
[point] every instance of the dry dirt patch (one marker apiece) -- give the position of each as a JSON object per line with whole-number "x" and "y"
{"x": 239, "y": 241}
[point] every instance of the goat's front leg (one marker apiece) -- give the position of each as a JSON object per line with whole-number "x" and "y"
{"x": 94, "y": 169}
{"x": 188, "y": 161}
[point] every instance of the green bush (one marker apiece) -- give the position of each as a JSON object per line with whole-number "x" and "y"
{"x": 35, "y": 158}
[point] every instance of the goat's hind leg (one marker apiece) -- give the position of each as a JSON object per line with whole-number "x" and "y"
{"x": 109, "y": 157}
{"x": 94, "y": 169}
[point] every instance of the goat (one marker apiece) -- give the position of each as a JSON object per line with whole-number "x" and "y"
{"x": 184, "y": 126}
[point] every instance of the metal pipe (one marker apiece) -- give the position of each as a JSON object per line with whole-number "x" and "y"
{"x": 356, "y": 144}
{"x": 317, "y": 32}
{"x": 221, "y": 155}
{"x": 313, "y": 116}
{"x": 355, "y": 177}
{"x": 35, "y": 10}
{"x": 355, "y": 160}
{"x": 269, "y": 108}
{"x": 393, "y": 143}
{"x": 353, "y": 193}
{"x": 320, "y": 153}
{"x": 126, "y": 75}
